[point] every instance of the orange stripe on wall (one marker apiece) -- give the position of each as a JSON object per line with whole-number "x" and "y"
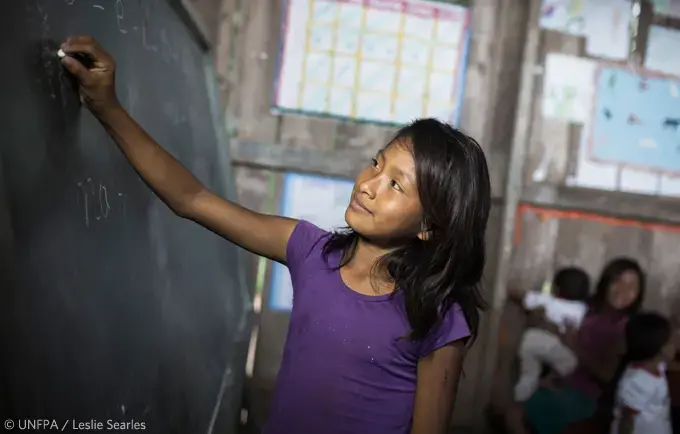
{"x": 548, "y": 213}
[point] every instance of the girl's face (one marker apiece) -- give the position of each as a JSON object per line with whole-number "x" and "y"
{"x": 385, "y": 206}
{"x": 624, "y": 291}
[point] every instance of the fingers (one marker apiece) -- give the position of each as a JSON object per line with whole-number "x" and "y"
{"x": 75, "y": 67}
{"x": 88, "y": 46}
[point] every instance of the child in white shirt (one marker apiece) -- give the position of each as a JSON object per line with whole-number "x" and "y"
{"x": 565, "y": 305}
{"x": 641, "y": 401}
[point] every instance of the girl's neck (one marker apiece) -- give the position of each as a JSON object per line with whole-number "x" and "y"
{"x": 362, "y": 266}
{"x": 365, "y": 255}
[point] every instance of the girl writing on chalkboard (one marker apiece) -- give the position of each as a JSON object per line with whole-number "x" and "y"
{"x": 384, "y": 310}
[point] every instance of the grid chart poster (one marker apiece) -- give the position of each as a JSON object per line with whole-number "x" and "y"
{"x": 317, "y": 199}
{"x": 636, "y": 122}
{"x": 378, "y": 61}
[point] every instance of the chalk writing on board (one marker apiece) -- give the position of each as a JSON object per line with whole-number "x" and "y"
{"x": 167, "y": 51}
{"x": 174, "y": 112}
{"x": 70, "y": 2}
{"x": 104, "y": 205}
{"x": 47, "y": 52}
{"x": 120, "y": 14}
{"x": 98, "y": 7}
{"x": 97, "y": 203}
{"x": 145, "y": 6}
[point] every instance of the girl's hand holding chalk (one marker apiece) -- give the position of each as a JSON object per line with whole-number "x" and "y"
{"x": 94, "y": 69}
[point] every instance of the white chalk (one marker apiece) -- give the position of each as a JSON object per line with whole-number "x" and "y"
{"x": 61, "y": 53}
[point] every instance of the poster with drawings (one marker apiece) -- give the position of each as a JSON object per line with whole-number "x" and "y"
{"x": 382, "y": 61}
{"x": 604, "y": 24}
{"x": 568, "y": 87}
{"x": 631, "y": 142}
{"x": 317, "y": 199}
{"x": 636, "y": 121}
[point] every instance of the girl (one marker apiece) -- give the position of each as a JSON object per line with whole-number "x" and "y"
{"x": 641, "y": 403}
{"x": 597, "y": 345}
{"x": 382, "y": 310}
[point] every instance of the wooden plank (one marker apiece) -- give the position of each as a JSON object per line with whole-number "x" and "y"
{"x": 507, "y": 67}
{"x": 645, "y": 208}
{"x": 478, "y": 90}
{"x": 346, "y": 163}
{"x": 525, "y": 110}
{"x": 256, "y": 70}
{"x": 664, "y": 273}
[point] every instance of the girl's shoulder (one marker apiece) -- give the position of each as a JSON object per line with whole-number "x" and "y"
{"x": 307, "y": 239}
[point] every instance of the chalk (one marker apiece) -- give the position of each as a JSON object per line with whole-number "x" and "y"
{"x": 61, "y": 53}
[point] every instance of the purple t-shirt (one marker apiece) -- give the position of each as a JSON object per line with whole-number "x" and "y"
{"x": 345, "y": 369}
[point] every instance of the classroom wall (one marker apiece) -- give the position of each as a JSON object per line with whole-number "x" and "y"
{"x": 576, "y": 207}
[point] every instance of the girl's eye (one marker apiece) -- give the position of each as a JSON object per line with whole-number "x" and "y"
{"x": 374, "y": 162}
{"x": 394, "y": 184}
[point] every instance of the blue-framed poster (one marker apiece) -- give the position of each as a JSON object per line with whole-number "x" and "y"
{"x": 319, "y": 200}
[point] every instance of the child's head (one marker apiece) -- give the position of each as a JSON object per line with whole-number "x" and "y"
{"x": 649, "y": 338}
{"x": 425, "y": 199}
{"x": 621, "y": 286}
{"x": 571, "y": 283}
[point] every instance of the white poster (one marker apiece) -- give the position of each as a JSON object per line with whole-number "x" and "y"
{"x": 568, "y": 87}
{"x": 382, "y": 61}
{"x": 317, "y": 199}
{"x": 661, "y": 55}
{"x": 604, "y": 23}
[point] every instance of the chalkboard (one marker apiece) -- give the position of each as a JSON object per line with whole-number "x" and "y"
{"x": 113, "y": 309}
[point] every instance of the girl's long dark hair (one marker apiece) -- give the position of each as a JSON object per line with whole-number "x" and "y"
{"x": 455, "y": 194}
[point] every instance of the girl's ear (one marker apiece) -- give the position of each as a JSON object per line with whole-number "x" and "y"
{"x": 425, "y": 235}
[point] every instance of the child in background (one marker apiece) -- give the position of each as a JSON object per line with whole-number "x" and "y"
{"x": 383, "y": 311}
{"x": 565, "y": 305}
{"x": 641, "y": 401}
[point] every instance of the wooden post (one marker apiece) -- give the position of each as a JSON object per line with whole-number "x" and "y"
{"x": 512, "y": 196}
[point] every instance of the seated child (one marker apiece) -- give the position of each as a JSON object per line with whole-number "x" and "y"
{"x": 565, "y": 305}
{"x": 641, "y": 400}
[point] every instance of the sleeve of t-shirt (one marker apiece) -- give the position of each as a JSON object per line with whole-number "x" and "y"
{"x": 452, "y": 328}
{"x": 635, "y": 390}
{"x": 305, "y": 239}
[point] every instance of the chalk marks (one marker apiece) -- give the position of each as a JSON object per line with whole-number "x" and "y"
{"x": 98, "y": 7}
{"x": 98, "y": 204}
{"x": 120, "y": 15}
{"x": 175, "y": 112}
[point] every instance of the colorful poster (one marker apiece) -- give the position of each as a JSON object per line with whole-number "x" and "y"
{"x": 604, "y": 24}
{"x": 636, "y": 122}
{"x": 320, "y": 200}
{"x": 382, "y": 61}
{"x": 662, "y": 44}
{"x": 568, "y": 87}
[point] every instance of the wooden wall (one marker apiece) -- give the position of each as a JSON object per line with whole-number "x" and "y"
{"x": 557, "y": 224}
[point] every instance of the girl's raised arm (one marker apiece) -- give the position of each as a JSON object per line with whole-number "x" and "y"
{"x": 261, "y": 234}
